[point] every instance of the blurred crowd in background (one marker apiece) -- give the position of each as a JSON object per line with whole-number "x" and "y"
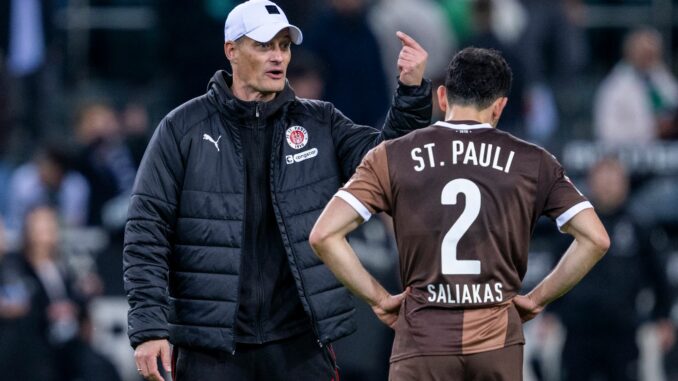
{"x": 83, "y": 83}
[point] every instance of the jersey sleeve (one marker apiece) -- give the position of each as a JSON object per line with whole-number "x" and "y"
{"x": 369, "y": 189}
{"x": 562, "y": 199}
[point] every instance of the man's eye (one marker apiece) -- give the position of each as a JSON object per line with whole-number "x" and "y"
{"x": 264, "y": 45}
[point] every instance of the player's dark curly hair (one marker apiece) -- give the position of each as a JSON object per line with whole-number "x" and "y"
{"x": 477, "y": 77}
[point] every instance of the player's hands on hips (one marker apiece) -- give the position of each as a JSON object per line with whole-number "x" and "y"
{"x": 146, "y": 357}
{"x": 411, "y": 61}
{"x": 388, "y": 308}
{"x": 527, "y": 308}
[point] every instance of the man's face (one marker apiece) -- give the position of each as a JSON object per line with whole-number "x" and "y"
{"x": 260, "y": 68}
{"x": 42, "y": 229}
{"x": 644, "y": 51}
{"x": 609, "y": 185}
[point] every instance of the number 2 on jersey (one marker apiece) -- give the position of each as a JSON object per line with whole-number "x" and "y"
{"x": 450, "y": 264}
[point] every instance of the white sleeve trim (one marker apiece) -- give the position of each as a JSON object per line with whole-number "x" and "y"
{"x": 355, "y": 203}
{"x": 567, "y": 216}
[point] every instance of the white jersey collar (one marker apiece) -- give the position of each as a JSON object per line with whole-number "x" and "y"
{"x": 463, "y": 125}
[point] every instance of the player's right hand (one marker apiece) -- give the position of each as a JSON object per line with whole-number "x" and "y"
{"x": 146, "y": 357}
{"x": 527, "y": 308}
{"x": 387, "y": 309}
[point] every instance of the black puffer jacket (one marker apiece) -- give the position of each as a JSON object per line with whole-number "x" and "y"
{"x": 184, "y": 232}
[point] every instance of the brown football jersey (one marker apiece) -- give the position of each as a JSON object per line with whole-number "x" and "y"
{"x": 465, "y": 198}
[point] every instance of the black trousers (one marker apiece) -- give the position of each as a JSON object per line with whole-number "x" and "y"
{"x": 609, "y": 357}
{"x": 298, "y": 358}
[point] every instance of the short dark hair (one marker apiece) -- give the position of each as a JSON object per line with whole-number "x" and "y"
{"x": 477, "y": 77}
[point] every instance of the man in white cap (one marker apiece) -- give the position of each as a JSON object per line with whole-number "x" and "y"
{"x": 216, "y": 256}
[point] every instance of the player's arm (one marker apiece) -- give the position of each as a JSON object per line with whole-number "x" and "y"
{"x": 328, "y": 239}
{"x": 590, "y": 244}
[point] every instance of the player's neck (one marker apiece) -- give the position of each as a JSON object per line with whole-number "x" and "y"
{"x": 466, "y": 113}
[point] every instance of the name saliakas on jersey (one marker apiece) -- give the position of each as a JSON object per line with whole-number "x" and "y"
{"x": 462, "y": 293}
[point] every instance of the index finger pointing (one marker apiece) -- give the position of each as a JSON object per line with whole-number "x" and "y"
{"x": 407, "y": 40}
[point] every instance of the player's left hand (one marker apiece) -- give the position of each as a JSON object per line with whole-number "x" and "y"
{"x": 411, "y": 61}
{"x": 388, "y": 308}
{"x": 527, "y": 308}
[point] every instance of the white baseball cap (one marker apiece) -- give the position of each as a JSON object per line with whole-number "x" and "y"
{"x": 259, "y": 20}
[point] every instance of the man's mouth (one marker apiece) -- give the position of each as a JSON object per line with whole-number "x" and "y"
{"x": 275, "y": 74}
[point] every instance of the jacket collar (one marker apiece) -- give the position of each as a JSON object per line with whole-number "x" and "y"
{"x": 219, "y": 90}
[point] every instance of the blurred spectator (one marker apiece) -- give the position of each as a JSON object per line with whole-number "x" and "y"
{"x": 484, "y": 36}
{"x": 26, "y": 36}
{"x": 48, "y": 180}
{"x": 51, "y": 317}
{"x": 5, "y": 175}
{"x": 192, "y": 58}
{"x": 387, "y": 17}
{"x": 555, "y": 51}
{"x": 13, "y": 303}
{"x": 5, "y": 120}
{"x": 355, "y": 83}
{"x": 554, "y": 41}
{"x": 103, "y": 158}
{"x": 637, "y": 101}
{"x": 508, "y": 22}
{"x": 299, "y": 12}
{"x": 84, "y": 363}
{"x": 136, "y": 129}
{"x": 601, "y": 315}
{"x": 306, "y": 76}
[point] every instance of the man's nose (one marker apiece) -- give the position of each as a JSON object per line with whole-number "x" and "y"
{"x": 277, "y": 55}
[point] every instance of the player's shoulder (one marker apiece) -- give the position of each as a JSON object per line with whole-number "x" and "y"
{"x": 410, "y": 137}
{"x": 523, "y": 146}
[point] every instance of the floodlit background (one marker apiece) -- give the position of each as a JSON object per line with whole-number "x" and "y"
{"x": 84, "y": 83}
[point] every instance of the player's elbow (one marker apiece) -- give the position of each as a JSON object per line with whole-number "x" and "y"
{"x": 319, "y": 239}
{"x": 600, "y": 241}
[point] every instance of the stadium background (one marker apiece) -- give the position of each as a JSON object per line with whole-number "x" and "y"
{"x": 79, "y": 75}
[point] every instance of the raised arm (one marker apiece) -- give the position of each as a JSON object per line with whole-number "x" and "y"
{"x": 412, "y": 104}
{"x": 590, "y": 244}
{"x": 411, "y": 109}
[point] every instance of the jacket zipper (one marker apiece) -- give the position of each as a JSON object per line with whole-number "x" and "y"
{"x": 260, "y": 295}
{"x": 244, "y": 223}
{"x": 282, "y": 229}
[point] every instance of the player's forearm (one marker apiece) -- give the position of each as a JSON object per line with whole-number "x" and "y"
{"x": 340, "y": 258}
{"x": 577, "y": 261}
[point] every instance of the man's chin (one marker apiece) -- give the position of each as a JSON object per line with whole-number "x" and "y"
{"x": 273, "y": 86}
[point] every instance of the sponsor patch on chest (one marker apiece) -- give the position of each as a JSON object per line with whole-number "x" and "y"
{"x": 301, "y": 156}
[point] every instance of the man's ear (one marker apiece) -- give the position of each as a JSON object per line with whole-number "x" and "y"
{"x": 231, "y": 51}
{"x": 442, "y": 98}
{"x": 498, "y": 108}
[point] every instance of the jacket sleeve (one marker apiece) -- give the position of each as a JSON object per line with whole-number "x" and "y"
{"x": 148, "y": 235}
{"x": 411, "y": 109}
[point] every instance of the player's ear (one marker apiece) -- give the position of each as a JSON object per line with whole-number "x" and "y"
{"x": 498, "y": 107}
{"x": 442, "y": 98}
